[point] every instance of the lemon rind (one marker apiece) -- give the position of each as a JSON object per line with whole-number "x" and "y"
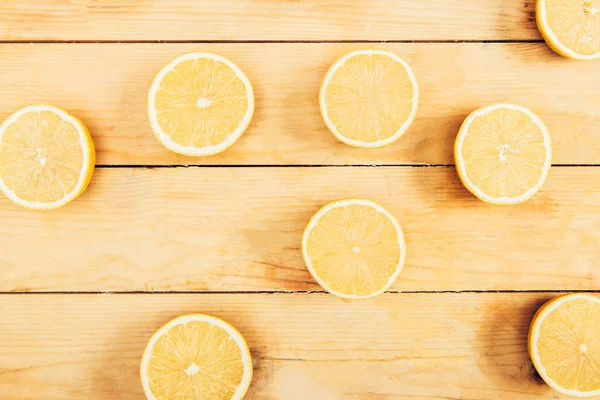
{"x": 164, "y": 138}
{"x": 89, "y": 158}
{"x": 534, "y": 334}
{"x": 342, "y": 203}
{"x": 462, "y": 173}
{"x": 198, "y": 317}
{"x": 359, "y": 143}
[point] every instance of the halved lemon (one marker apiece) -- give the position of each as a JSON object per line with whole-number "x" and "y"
{"x": 200, "y": 104}
{"x": 354, "y": 248}
{"x": 369, "y": 98}
{"x": 503, "y": 153}
{"x": 571, "y": 27}
{"x": 196, "y": 357}
{"x": 564, "y": 344}
{"x": 47, "y": 157}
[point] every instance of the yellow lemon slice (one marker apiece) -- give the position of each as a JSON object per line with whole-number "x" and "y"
{"x": 369, "y": 98}
{"x": 200, "y": 104}
{"x": 354, "y": 248}
{"x": 571, "y": 27}
{"x": 196, "y": 357}
{"x": 564, "y": 344}
{"x": 47, "y": 157}
{"x": 503, "y": 153}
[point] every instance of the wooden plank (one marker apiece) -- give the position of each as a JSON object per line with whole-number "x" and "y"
{"x": 304, "y": 346}
{"x": 238, "y": 229}
{"x": 267, "y": 20}
{"x": 106, "y": 85}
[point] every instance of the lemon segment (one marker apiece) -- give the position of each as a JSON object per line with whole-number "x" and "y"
{"x": 503, "y": 153}
{"x": 354, "y": 248}
{"x": 200, "y": 104}
{"x": 47, "y": 157}
{"x": 564, "y": 344}
{"x": 369, "y": 98}
{"x": 571, "y": 27}
{"x": 196, "y": 357}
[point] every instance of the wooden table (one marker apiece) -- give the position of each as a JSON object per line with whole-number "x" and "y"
{"x": 158, "y": 235}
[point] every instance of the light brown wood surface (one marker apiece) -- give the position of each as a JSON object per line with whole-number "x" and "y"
{"x": 106, "y": 85}
{"x": 304, "y": 346}
{"x": 267, "y": 20}
{"x": 239, "y": 229}
{"x": 223, "y": 237}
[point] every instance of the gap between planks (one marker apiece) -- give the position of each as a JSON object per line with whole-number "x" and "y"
{"x": 155, "y": 166}
{"x": 265, "y": 41}
{"x": 292, "y": 292}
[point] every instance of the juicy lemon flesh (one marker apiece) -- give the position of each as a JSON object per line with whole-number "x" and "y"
{"x": 576, "y": 24}
{"x": 569, "y": 345}
{"x": 369, "y": 97}
{"x": 200, "y": 102}
{"x": 41, "y": 157}
{"x": 195, "y": 361}
{"x": 504, "y": 153}
{"x": 354, "y": 250}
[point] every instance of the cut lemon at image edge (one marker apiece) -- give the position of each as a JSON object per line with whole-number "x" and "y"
{"x": 535, "y": 333}
{"x": 234, "y": 334}
{"x": 212, "y": 149}
{"x": 553, "y": 40}
{"x": 414, "y": 99}
{"x": 87, "y": 152}
{"x": 460, "y": 163}
{"x": 399, "y": 240}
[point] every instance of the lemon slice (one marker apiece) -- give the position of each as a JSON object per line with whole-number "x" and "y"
{"x": 46, "y": 157}
{"x": 196, "y": 357}
{"x": 503, "y": 153}
{"x": 354, "y": 248}
{"x": 369, "y": 98}
{"x": 564, "y": 344}
{"x": 571, "y": 27}
{"x": 200, "y": 104}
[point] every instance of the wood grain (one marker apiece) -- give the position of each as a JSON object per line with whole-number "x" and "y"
{"x": 239, "y": 229}
{"x": 107, "y": 84}
{"x": 267, "y": 20}
{"x": 304, "y": 346}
